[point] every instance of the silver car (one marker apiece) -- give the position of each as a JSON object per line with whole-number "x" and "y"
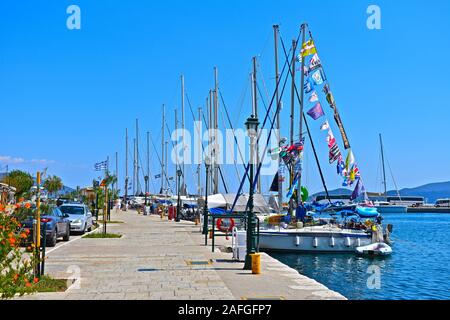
{"x": 80, "y": 217}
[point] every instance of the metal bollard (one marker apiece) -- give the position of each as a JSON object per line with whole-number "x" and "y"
{"x": 256, "y": 263}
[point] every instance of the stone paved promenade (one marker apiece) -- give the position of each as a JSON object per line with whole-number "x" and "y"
{"x": 150, "y": 262}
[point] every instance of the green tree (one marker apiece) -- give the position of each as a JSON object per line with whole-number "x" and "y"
{"x": 53, "y": 184}
{"x": 20, "y": 180}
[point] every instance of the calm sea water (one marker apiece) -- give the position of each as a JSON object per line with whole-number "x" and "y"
{"x": 418, "y": 269}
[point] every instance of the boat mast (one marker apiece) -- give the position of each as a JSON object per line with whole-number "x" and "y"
{"x": 126, "y": 166}
{"x": 215, "y": 129}
{"x": 176, "y": 159}
{"x": 384, "y": 166}
{"x": 277, "y": 79}
{"x": 255, "y": 113}
{"x": 211, "y": 191}
{"x": 302, "y": 83}
{"x": 138, "y": 184}
{"x": 162, "y": 148}
{"x": 291, "y": 171}
{"x": 183, "y": 184}
{"x": 134, "y": 166}
{"x": 147, "y": 181}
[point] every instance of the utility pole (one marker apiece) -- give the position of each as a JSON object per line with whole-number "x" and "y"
{"x": 216, "y": 128}
{"x": 277, "y": 80}
{"x": 116, "y": 184}
{"x": 126, "y": 169}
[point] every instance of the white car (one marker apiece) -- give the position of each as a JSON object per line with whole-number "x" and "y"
{"x": 80, "y": 217}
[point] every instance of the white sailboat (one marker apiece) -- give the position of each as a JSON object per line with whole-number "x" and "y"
{"x": 359, "y": 228}
{"x": 385, "y": 207}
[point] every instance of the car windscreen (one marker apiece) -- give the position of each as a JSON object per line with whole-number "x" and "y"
{"x": 72, "y": 210}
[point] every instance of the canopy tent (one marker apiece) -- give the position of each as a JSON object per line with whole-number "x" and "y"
{"x": 225, "y": 201}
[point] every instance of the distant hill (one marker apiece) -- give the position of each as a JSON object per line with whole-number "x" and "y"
{"x": 431, "y": 192}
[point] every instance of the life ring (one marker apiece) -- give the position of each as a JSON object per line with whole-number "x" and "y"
{"x": 220, "y": 226}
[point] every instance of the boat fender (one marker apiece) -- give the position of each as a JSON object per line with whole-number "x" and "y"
{"x": 332, "y": 242}
{"x": 358, "y": 242}
{"x": 297, "y": 241}
{"x": 348, "y": 242}
{"x": 316, "y": 242}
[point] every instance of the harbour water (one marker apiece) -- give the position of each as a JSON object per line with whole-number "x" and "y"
{"x": 419, "y": 268}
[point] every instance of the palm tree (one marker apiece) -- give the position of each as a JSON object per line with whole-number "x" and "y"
{"x": 53, "y": 184}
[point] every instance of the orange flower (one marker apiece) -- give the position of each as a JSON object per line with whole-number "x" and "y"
{"x": 28, "y": 285}
{"x": 2, "y": 208}
{"x": 28, "y": 205}
{"x": 17, "y": 206}
{"x": 27, "y": 231}
{"x": 36, "y": 280}
{"x": 23, "y": 235}
{"x": 12, "y": 241}
{"x": 21, "y": 199}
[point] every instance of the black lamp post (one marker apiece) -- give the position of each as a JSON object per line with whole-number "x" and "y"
{"x": 205, "y": 208}
{"x": 252, "y": 129}
{"x": 177, "y": 218}
{"x": 146, "y": 189}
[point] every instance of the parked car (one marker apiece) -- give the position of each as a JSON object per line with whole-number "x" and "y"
{"x": 58, "y": 225}
{"x": 443, "y": 203}
{"x": 79, "y": 215}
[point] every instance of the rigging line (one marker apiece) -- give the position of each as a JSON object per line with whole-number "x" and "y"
{"x": 143, "y": 173}
{"x": 232, "y": 128}
{"x": 307, "y": 126}
{"x": 219, "y": 167}
{"x": 160, "y": 162}
{"x": 247, "y": 168}
{"x": 234, "y": 159}
{"x": 393, "y": 179}
{"x": 252, "y": 186}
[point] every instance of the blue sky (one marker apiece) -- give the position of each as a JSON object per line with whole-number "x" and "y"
{"x": 66, "y": 96}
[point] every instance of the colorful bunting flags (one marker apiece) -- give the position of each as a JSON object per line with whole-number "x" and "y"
{"x": 318, "y": 77}
{"x": 325, "y": 126}
{"x": 315, "y": 63}
{"x": 316, "y": 112}
{"x": 308, "y": 48}
{"x": 360, "y": 190}
{"x": 314, "y": 97}
{"x": 309, "y": 85}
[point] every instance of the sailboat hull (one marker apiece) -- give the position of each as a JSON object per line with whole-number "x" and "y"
{"x": 310, "y": 240}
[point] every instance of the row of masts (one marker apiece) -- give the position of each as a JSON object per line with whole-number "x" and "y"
{"x": 211, "y": 119}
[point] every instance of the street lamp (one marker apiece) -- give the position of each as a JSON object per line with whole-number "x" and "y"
{"x": 177, "y": 218}
{"x": 205, "y": 208}
{"x": 252, "y": 130}
{"x": 146, "y": 189}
